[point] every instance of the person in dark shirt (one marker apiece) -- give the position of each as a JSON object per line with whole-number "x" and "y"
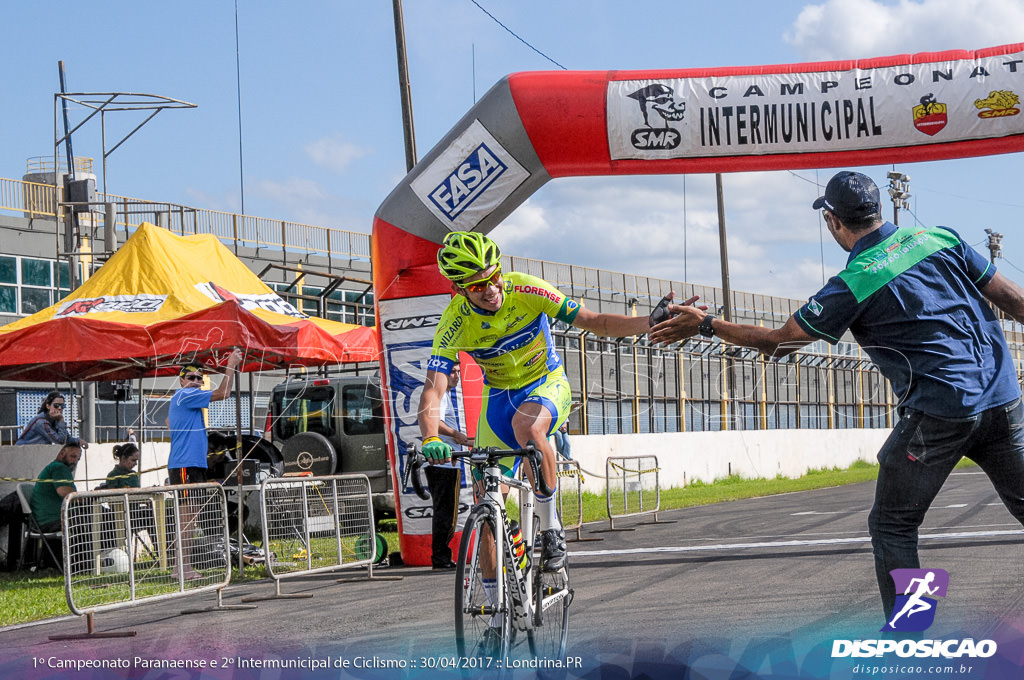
{"x": 55, "y": 482}
{"x": 124, "y": 475}
{"x": 917, "y": 300}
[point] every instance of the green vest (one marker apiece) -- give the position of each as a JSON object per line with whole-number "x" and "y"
{"x": 876, "y": 266}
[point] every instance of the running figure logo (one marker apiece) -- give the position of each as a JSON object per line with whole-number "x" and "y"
{"x": 915, "y": 608}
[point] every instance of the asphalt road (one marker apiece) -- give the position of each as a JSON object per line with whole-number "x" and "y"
{"x": 753, "y": 588}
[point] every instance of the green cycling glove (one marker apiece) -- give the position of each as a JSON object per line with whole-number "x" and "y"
{"x": 435, "y": 450}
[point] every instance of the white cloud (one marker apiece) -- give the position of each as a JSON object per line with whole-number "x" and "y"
{"x": 334, "y": 153}
{"x": 637, "y": 225}
{"x": 853, "y": 29}
{"x": 305, "y": 201}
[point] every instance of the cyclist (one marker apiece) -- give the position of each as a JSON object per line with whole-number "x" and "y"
{"x": 502, "y": 321}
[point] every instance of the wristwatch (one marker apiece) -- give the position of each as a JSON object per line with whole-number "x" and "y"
{"x": 705, "y": 328}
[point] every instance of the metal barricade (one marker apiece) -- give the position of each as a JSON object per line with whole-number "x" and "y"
{"x": 317, "y": 524}
{"x": 126, "y": 545}
{"x": 632, "y": 487}
{"x": 570, "y": 495}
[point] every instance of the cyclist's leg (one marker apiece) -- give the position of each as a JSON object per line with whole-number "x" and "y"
{"x": 540, "y": 412}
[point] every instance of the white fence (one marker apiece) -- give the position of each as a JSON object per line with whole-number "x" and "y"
{"x": 317, "y": 524}
{"x": 127, "y": 545}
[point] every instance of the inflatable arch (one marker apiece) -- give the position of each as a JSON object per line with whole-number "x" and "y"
{"x": 534, "y": 126}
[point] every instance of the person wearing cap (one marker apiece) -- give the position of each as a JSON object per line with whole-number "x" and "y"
{"x": 916, "y": 300}
{"x": 186, "y": 463}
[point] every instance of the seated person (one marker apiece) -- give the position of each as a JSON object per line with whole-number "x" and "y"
{"x": 48, "y": 426}
{"x": 55, "y": 482}
{"x": 124, "y": 475}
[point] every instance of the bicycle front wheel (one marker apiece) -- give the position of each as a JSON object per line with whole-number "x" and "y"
{"x": 551, "y": 598}
{"x": 482, "y": 627}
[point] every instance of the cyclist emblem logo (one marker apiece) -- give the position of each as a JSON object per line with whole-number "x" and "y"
{"x": 915, "y": 605}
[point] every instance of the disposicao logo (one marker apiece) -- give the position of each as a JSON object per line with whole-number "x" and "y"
{"x": 914, "y": 611}
{"x": 915, "y": 607}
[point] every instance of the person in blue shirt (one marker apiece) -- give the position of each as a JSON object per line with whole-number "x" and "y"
{"x": 186, "y": 463}
{"x": 917, "y": 301}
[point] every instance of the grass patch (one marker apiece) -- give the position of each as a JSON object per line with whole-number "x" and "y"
{"x": 26, "y": 596}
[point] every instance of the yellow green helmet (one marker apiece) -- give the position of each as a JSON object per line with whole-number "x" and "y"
{"x": 464, "y": 253}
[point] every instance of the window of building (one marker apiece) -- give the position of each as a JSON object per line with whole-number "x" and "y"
{"x": 27, "y": 283}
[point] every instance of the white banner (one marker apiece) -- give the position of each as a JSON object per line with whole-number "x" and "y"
{"x": 473, "y": 176}
{"x": 801, "y": 112}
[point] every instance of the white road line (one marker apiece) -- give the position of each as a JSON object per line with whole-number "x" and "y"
{"x": 851, "y": 512}
{"x": 784, "y": 544}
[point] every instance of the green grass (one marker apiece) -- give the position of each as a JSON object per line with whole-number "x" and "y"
{"x": 28, "y": 596}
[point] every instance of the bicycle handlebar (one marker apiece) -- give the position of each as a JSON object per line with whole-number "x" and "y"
{"x": 413, "y": 464}
{"x": 484, "y": 455}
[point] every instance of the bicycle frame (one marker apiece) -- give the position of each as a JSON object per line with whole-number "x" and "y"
{"x": 504, "y": 549}
{"x": 524, "y": 596}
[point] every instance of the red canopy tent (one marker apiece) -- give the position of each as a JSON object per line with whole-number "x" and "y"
{"x": 164, "y": 299}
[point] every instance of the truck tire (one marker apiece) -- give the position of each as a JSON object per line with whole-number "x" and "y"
{"x": 309, "y": 452}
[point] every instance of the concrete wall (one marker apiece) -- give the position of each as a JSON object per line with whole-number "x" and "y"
{"x": 682, "y": 456}
{"x": 25, "y": 462}
{"x": 685, "y": 456}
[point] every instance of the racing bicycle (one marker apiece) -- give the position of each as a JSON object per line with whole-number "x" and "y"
{"x": 529, "y": 602}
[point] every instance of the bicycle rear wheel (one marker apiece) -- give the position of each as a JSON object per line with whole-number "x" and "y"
{"x": 482, "y": 628}
{"x": 551, "y": 598}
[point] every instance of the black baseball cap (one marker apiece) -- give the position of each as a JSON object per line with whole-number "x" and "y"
{"x": 850, "y": 195}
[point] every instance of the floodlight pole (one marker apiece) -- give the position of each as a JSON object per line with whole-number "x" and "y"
{"x": 723, "y": 249}
{"x": 404, "y": 88}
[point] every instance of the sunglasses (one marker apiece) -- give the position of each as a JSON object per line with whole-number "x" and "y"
{"x": 192, "y": 376}
{"x": 56, "y": 405}
{"x": 483, "y": 284}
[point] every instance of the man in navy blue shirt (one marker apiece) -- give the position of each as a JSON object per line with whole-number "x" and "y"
{"x": 915, "y": 300}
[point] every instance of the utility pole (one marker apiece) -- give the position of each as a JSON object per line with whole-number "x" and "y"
{"x": 403, "y": 86}
{"x": 995, "y": 247}
{"x": 898, "y": 185}
{"x": 723, "y": 250}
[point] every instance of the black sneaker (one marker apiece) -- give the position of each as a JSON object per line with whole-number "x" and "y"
{"x": 552, "y": 550}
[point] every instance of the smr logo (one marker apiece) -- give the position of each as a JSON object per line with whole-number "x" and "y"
{"x": 659, "y": 98}
{"x": 915, "y": 607}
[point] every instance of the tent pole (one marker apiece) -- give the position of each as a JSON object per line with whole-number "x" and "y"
{"x": 240, "y": 456}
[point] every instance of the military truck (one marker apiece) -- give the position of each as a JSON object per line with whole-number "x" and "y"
{"x": 333, "y": 425}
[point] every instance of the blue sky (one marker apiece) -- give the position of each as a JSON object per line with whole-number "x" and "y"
{"x": 321, "y": 116}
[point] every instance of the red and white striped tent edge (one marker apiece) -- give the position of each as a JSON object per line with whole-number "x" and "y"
{"x": 162, "y": 300}
{"x": 532, "y": 127}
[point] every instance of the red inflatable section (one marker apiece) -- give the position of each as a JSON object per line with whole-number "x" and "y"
{"x": 574, "y": 143}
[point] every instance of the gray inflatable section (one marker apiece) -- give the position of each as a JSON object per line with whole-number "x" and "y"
{"x": 496, "y": 112}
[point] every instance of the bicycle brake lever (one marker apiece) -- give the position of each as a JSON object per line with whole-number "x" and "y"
{"x": 413, "y": 462}
{"x": 535, "y": 457}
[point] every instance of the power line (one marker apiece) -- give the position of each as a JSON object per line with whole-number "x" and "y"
{"x": 514, "y": 35}
{"x": 1013, "y": 265}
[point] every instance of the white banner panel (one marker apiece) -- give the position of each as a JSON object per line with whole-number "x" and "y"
{"x": 773, "y": 113}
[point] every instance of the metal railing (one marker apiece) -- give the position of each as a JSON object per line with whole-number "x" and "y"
{"x": 317, "y": 524}
{"x": 632, "y": 487}
{"x": 126, "y": 545}
{"x": 623, "y": 386}
{"x": 37, "y": 200}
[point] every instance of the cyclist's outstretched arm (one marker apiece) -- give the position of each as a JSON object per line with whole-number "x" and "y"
{"x": 613, "y": 325}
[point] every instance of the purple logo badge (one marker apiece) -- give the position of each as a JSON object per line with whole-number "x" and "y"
{"x": 916, "y": 590}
